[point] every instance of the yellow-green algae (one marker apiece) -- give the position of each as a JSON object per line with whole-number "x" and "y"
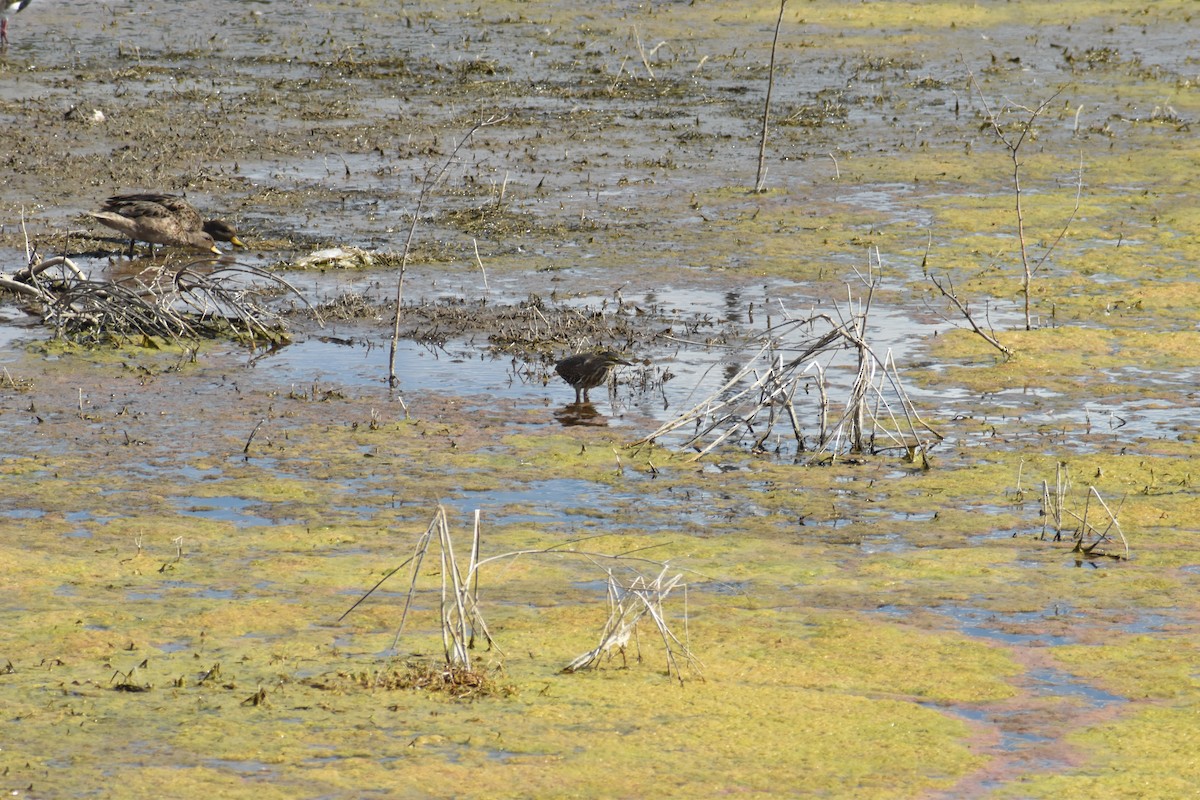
{"x": 1058, "y": 359}
{"x": 120, "y": 606}
{"x": 790, "y": 683}
{"x": 1141, "y": 666}
{"x": 1149, "y": 754}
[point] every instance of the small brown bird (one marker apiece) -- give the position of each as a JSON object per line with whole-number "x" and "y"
{"x": 9, "y": 7}
{"x": 585, "y": 371}
{"x": 158, "y": 214}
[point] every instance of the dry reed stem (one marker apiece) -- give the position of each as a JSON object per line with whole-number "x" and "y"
{"x": 460, "y": 613}
{"x": 1088, "y": 537}
{"x": 755, "y": 400}
{"x": 628, "y": 604}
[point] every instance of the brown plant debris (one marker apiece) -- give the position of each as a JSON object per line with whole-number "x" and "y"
{"x": 537, "y": 328}
{"x": 452, "y": 680}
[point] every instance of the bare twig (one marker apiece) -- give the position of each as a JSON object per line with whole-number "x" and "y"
{"x": 431, "y": 180}
{"x": 950, "y": 294}
{"x": 760, "y": 179}
{"x": 1013, "y": 144}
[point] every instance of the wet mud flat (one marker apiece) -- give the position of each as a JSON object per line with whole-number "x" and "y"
{"x": 184, "y": 526}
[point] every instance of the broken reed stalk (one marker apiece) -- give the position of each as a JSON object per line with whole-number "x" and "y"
{"x": 731, "y": 422}
{"x": 1088, "y": 537}
{"x": 709, "y": 404}
{"x": 1087, "y": 529}
{"x": 857, "y": 402}
{"x": 452, "y": 646}
{"x": 1046, "y": 508}
{"x": 642, "y": 52}
{"x": 474, "y": 590}
{"x": 1053, "y": 503}
{"x": 1112, "y": 522}
{"x": 460, "y": 614}
{"x": 618, "y": 627}
{"x": 790, "y": 407}
{"x": 883, "y": 408}
{"x": 911, "y": 418}
{"x": 766, "y": 396}
{"x": 461, "y": 617}
{"x": 1062, "y": 484}
{"x": 822, "y": 404}
{"x": 416, "y": 559}
{"x": 628, "y": 604}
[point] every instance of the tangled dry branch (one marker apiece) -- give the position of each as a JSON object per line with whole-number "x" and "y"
{"x": 203, "y": 299}
{"x": 628, "y": 604}
{"x": 810, "y": 357}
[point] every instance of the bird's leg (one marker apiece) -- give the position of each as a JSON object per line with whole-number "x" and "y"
{"x": 131, "y": 249}
{"x": 3, "y": 30}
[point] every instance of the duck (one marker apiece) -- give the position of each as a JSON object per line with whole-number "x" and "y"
{"x": 161, "y": 218}
{"x": 9, "y": 7}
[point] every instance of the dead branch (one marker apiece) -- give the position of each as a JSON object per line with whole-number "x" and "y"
{"x": 989, "y": 335}
{"x": 1013, "y": 145}
{"x": 877, "y": 413}
{"x": 231, "y": 300}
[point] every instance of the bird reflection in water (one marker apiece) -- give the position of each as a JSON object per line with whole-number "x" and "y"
{"x": 579, "y": 414}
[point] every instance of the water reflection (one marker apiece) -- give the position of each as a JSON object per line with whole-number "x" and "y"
{"x": 576, "y": 414}
{"x": 733, "y": 306}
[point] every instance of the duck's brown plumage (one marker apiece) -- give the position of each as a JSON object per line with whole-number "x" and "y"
{"x": 156, "y": 230}
{"x": 585, "y": 371}
{"x": 164, "y": 219}
{"x": 178, "y": 207}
